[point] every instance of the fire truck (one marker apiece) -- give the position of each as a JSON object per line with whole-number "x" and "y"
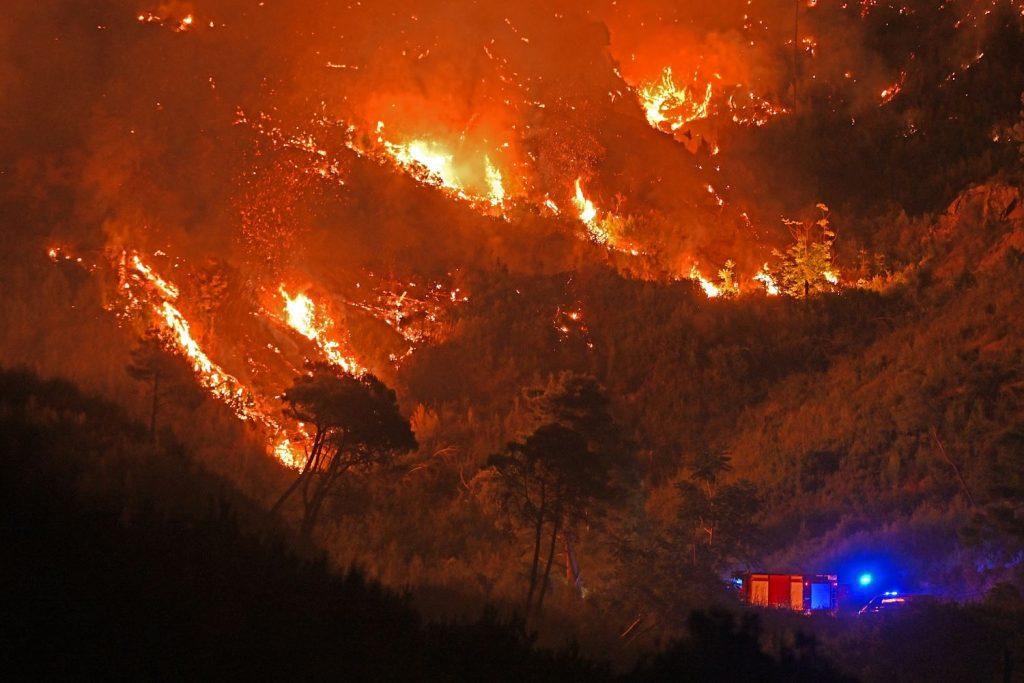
{"x": 805, "y": 593}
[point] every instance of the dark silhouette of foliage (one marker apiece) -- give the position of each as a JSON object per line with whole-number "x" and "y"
{"x": 356, "y": 425}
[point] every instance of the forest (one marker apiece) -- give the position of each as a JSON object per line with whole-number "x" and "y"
{"x": 426, "y": 340}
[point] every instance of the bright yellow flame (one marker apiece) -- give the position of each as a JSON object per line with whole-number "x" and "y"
{"x": 588, "y": 216}
{"x": 165, "y": 288}
{"x": 437, "y": 162}
{"x": 588, "y": 212}
{"x": 710, "y": 289}
{"x": 301, "y": 315}
{"x": 431, "y": 163}
{"x": 290, "y": 455}
{"x": 765, "y": 278}
{"x": 664, "y": 102}
{"x": 495, "y": 187}
{"x": 832, "y": 277}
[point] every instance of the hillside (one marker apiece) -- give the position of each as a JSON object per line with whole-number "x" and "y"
{"x": 898, "y": 447}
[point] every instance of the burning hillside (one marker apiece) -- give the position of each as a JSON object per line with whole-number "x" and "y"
{"x": 302, "y": 149}
{"x": 471, "y": 290}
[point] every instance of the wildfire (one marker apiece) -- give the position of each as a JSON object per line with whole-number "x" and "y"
{"x": 431, "y": 163}
{"x": 664, "y": 102}
{"x": 709, "y": 287}
{"x": 495, "y": 188}
{"x": 427, "y": 161}
{"x": 175, "y": 330}
{"x": 765, "y": 278}
{"x": 889, "y": 93}
{"x": 302, "y": 316}
{"x": 588, "y": 215}
{"x": 289, "y": 454}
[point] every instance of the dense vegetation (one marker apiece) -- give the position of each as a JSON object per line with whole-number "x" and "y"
{"x": 131, "y": 560}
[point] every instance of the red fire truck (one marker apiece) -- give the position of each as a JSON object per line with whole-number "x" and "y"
{"x": 805, "y": 593}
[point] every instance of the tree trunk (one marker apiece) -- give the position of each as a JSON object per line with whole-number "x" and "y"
{"x": 314, "y": 454}
{"x": 551, "y": 555}
{"x": 537, "y": 532}
{"x": 323, "y": 487}
{"x": 312, "y": 511}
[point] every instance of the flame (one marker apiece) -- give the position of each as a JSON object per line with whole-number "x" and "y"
{"x": 495, "y": 188}
{"x": 289, "y": 454}
{"x": 664, "y": 102}
{"x": 431, "y": 163}
{"x": 177, "y": 333}
{"x": 889, "y": 93}
{"x": 165, "y": 288}
{"x": 428, "y": 159}
{"x": 831, "y": 276}
{"x": 765, "y": 278}
{"x": 301, "y": 315}
{"x": 710, "y": 289}
{"x": 588, "y": 216}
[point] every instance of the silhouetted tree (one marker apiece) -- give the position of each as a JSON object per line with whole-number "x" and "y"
{"x": 356, "y": 424}
{"x": 166, "y": 374}
{"x": 580, "y": 403}
{"x": 550, "y": 477}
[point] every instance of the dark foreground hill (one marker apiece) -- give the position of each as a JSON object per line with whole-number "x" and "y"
{"x": 126, "y": 559}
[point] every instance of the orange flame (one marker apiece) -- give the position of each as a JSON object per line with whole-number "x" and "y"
{"x": 302, "y": 316}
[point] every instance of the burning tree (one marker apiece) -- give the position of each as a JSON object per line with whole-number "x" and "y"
{"x": 356, "y": 425}
{"x": 806, "y": 267}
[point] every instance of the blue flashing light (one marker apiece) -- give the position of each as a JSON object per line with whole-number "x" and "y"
{"x": 894, "y": 593}
{"x": 865, "y": 579}
{"x": 738, "y": 581}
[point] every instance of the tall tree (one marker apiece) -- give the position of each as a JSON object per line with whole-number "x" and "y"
{"x": 717, "y": 521}
{"x": 356, "y": 425}
{"x": 549, "y": 478}
{"x": 568, "y": 470}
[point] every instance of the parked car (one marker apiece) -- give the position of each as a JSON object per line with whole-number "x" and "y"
{"x": 893, "y": 601}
